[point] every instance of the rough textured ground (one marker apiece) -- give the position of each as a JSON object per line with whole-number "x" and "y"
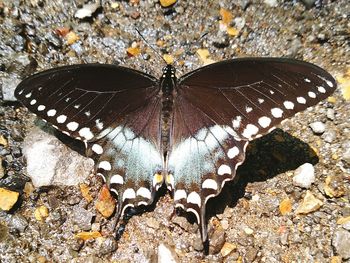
{"x": 254, "y": 219}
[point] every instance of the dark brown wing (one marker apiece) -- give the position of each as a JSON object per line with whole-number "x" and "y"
{"x": 220, "y": 107}
{"x": 115, "y": 110}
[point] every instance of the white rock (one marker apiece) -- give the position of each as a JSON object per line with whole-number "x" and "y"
{"x": 272, "y": 3}
{"x": 8, "y": 87}
{"x": 166, "y": 254}
{"x": 87, "y": 10}
{"x": 50, "y": 162}
{"x": 304, "y": 176}
{"x": 318, "y": 127}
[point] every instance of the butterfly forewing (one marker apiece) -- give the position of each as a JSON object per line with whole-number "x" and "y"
{"x": 254, "y": 95}
{"x": 84, "y": 100}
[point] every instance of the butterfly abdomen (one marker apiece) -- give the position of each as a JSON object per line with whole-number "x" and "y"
{"x": 167, "y": 83}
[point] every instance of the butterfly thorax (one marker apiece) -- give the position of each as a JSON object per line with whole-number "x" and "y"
{"x": 167, "y": 85}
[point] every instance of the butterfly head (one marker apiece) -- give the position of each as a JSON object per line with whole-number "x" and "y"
{"x": 169, "y": 72}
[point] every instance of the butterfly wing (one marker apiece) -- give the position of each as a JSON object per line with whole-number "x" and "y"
{"x": 220, "y": 107}
{"x": 115, "y": 110}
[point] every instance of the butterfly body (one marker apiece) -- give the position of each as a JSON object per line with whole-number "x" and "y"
{"x": 167, "y": 93}
{"x": 190, "y": 133}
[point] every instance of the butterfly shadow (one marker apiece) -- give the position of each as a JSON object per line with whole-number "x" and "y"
{"x": 266, "y": 157}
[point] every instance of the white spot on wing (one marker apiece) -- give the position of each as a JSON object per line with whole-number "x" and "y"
{"x": 321, "y": 89}
{"x": 180, "y": 194}
{"x": 28, "y": 95}
{"x": 248, "y": 109}
{"x": 288, "y": 105}
{"x": 32, "y": 102}
{"x": 51, "y": 113}
{"x": 261, "y": 100}
{"x": 129, "y": 194}
{"x": 144, "y": 192}
{"x": 307, "y": 80}
{"x": 301, "y": 100}
{"x": 210, "y": 184}
{"x": 105, "y": 165}
{"x": 311, "y": 94}
{"x": 264, "y": 121}
{"x": 116, "y": 179}
{"x": 236, "y": 123}
{"x": 77, "y": 106}
{"x": 276, "y": 112}
{"x": 194, "y": 198}
{"x": 250, "y": 130}
{"x": 99, "y": 124}
{"x": 97, "y": 148}
{"x": 329, "y": 83}
{"x": 41, "y": 107}
{"x": 224, "y": 169}
{"x": 72, "y": 126}
{"x": 233, "y": 152}
{"x": 61, "y": 118}
{"x": 86, "y": 133}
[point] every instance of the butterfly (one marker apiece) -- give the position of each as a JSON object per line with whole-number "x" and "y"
{"x": 189, "y": 133}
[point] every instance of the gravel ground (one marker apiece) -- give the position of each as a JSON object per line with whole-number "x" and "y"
{"x": 269, "y": 214}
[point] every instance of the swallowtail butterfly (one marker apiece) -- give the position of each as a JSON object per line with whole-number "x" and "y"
{"x": 190, "y": 133}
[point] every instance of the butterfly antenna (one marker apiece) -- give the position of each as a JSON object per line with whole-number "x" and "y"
{"x": 150, "y": 46}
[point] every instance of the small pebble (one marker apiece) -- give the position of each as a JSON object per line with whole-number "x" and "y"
{"x": 41, "y": 213}
{"x": 82, "y": 218}
{"x": 272, "y": 3}
{"x": 318, "y": 127}
{"x": 88, "y": 235}
{"x": 341, "y": 243}
{"x": 152, "y": 223}
{"x": 8, "y": 87}
{"x": 166, "y": 254}
{"x": 7, "y": 199}
{"x": 227, "y": 249}
{"x": 2, "y": 169}
{"x": 217, "y": 241}
{"x": 251, "y": 254}
{"x": 3, "y": 141}
{"x": 87, "y": 10}
{"x": 329, "y": 136}
{"x": 304, "y": 176}
{"x": 95, "y": 227}
{"x": 167, "y": 3}
{"x": 346, "y": 156}
{"x": 108, "y": 246}
{"x": 105, "y": 203}
{"x": 248, "y": 231}
{"x": 85, "y": 192}
{"x": 285, "y": 206}
{"x": 330, "y": 114}
{"x": 18, "y": 222}
{"x": 334, "y": 186}
{"x": 309, "y": 204}
{"x": 224, "y": 224}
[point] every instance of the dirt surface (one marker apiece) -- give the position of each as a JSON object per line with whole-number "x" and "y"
{"x": 255, "y": 218}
